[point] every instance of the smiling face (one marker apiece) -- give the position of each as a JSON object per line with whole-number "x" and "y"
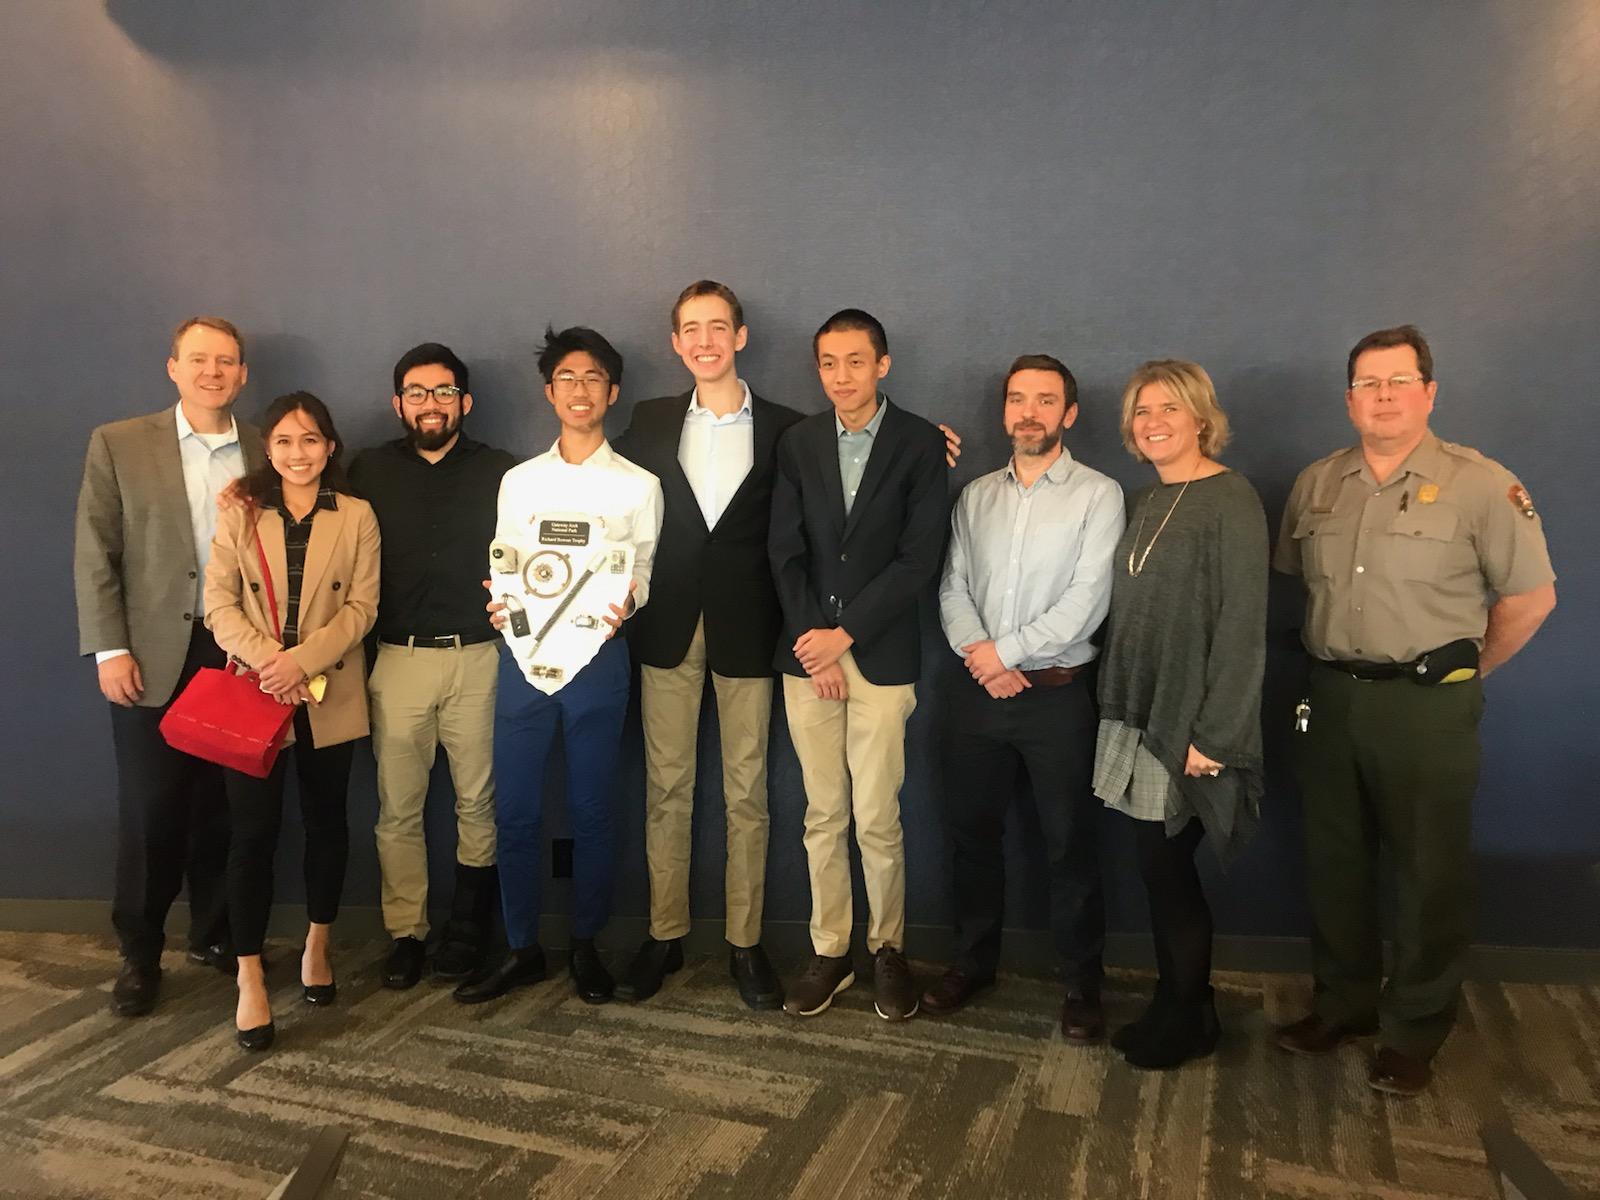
{"x": 850, "y": 368}
{"x": 297, "y": 450}
{"x": 1036, "y": 412}
{"x": 1390, "y": 417}
{"x": 208, "y": 370}
{"x": 431, "y": 421}
{"x": 1165, "y": 430}
{"x": 706, "y": 339}
{"x": 580, "y": 391}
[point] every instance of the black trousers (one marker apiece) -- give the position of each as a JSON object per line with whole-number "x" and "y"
{"x": 1050, "y": 733}
{"x": 172, "y": 823}
{"x": 256, "y": 809}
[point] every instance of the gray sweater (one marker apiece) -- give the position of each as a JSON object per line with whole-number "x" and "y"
{"x": 1186, "y": 644}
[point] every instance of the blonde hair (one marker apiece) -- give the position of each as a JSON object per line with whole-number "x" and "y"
{"x": 1187, "y": 383}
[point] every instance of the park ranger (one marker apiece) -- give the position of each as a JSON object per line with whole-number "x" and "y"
{"x": 1425, "y": 569}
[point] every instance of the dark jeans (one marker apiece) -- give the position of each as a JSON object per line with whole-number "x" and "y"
{"x": 588, "y": 714}
{"x": 1050, "y": 733}
{"x": 256, "y": 806}
{"x": 172, "y": 821}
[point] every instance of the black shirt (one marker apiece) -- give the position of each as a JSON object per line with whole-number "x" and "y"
{"x": 296, "y": 537}
{"x": 437, "y": 521}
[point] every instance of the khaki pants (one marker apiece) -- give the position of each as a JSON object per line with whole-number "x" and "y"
{"x": 853, "y": 759}
{"x": 671, "y": 709}
{"x": 424, "y": 698}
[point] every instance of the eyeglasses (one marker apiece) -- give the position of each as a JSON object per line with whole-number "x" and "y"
{"x": 445, "y": 393}
{"x": 1368, "y": 386}
{"x": 590, "y": 381}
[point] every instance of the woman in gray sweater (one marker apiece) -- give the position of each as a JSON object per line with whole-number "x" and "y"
{"x": 1179, "y": 750}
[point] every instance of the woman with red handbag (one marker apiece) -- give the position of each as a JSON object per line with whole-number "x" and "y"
{"x": 291, "y": 589}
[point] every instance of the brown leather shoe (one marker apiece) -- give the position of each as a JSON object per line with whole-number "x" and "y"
{"x": 951, "y": 991}
{"x": 1398, "y": 1074}
{"x": 1312, "y": 1036}
{"x": 1081, "y": 1018}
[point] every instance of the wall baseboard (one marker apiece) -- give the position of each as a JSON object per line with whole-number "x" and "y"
{"x": 1026, "y": 950}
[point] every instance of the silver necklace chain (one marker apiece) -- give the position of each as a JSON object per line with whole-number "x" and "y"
{"x": 1136, "y": 571}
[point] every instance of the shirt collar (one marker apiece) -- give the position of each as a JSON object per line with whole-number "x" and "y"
{"x": 1056, "y": 473}
{"x": 700, "y": 412}
{"x": 603, "y": 457}
{"x": 1423, "y": 459}
{"x": 871, "y": 427}
{"x": 327, "y": 500}
{"x": 187, "y": 430}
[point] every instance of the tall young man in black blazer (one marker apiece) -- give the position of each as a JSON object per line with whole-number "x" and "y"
{"x": 858, "y": 526}
{"x": 712, "y": 607}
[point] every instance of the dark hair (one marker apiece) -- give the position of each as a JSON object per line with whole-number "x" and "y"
{"x": 430, "y": 354}
{"x": 217, "y": 323}
{"x": 255, "y": 486}
{"x": 847, "y": 319}
{"x": 569, "y": 341}
{"x": 1383, "y": 339}
{"x": 708, "y": 287}
{"x": 1043, "y": 362}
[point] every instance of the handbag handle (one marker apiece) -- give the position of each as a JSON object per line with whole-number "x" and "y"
{"x": 266, "y": 574}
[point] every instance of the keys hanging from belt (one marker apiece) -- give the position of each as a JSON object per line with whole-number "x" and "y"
{"x": 1302, "y": 716}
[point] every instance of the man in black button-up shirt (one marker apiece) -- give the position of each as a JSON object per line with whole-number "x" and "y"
{"x": 433, "y": 682}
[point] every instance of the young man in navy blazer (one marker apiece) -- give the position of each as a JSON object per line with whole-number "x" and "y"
{"x": 712, "y": 608}
{"x": 858, "y": 528}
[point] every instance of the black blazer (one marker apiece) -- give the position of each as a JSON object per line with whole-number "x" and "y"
{"x": 864, "y": 573}
{"x": 722, "y": 572}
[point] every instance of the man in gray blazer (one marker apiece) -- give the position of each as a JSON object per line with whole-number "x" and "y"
{"x": 146, "y": 513}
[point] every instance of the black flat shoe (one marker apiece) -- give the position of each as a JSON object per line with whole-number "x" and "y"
{"x": 320, "y": 993}
{"x": 518, "y": 969}
{"x": 257, "y": 1039}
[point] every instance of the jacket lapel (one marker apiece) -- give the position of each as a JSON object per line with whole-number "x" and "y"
{"x": 167, "y": 460}
{"x": 827, "y": 456}
{"x": 762, "y": 437}
{"x": 675, "y": 480}
{"x": 883, "y": 446}
{"x": 269, "y": 528}
{"x": 326, "y": 528}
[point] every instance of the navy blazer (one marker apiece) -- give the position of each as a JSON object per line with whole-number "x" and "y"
{"x": 719, "y": 573}
{"x": 864, "y": 573}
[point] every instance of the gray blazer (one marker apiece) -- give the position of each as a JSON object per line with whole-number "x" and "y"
{"x": 134, "y": 565}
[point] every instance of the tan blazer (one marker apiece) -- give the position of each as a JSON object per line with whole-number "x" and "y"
{"x": 134, "y": 560}
{"x": 338, "y": 604}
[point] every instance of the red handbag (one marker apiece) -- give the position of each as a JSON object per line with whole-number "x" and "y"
{"x": 223, "y": 716}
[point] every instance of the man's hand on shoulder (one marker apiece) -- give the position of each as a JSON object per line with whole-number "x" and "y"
{"x": 120, "y": 680}
{"x": 952, "y": 445}
{"x": 231, "y": 497}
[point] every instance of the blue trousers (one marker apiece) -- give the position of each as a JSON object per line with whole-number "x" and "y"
{"x": 588, "y": 712}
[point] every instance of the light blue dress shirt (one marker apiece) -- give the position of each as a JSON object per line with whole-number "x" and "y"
{"x": 854, "y": 450}
{"x": 716, "y": 453}
{"x": 1030, "y": 568}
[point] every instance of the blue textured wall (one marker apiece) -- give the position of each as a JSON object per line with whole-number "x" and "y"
{"x": 1252, "y": 185}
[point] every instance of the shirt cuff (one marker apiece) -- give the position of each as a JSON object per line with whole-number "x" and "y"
{"x": 1009, "y": 650}
{"x": 101, "y": 656}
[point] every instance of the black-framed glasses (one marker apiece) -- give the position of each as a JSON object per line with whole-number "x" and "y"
{"x": 445, "y": 393}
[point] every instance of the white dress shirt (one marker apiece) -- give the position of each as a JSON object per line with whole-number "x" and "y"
{"x": 623, "y": 495}
{"x": 716, "y": 453}
{"x": 211, "y": 461}
{"x": 1030, "y": 568}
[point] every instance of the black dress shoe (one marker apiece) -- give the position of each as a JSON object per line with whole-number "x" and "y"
{"x": 518, "y": 969}
{"x": 951, "y": 991}
{"x": 1137, "y": 1031}
{"x": 1397, "y": 1073}
{"x": 217, "y": 956}
{"x": 654, "y": 962}
{"x": 256, "y": 1039}
{"x": 134, "y": 993}
{"x": 1082, "y": 1021}
{"x": 590, "y": 979}
{"x": 759, "y": 986}
{"x": 404, "y": 965}
{"x": 1186, "y": 1029}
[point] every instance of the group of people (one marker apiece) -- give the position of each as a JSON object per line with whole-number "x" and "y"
{"x": 1111, "y": 651}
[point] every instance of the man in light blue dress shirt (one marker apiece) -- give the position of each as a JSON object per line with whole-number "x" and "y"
{"x": 1026, "y": 583}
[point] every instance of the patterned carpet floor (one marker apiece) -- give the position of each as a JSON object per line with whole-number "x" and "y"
{"x": 692, "y": 1095}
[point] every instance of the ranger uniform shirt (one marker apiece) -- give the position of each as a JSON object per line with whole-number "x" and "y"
{"x": 1395, "y": 570}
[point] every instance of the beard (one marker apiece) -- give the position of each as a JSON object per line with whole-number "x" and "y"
{"x": 1035, "y": 445}
{"x": 435, "y": 439}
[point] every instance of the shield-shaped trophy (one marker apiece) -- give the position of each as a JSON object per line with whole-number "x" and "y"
{"x": 558, "y": 580}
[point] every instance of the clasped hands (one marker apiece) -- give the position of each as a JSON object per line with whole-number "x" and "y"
{"x": 983, "y": 664}
{"x": 285, "y": 680}
{"x": 819, "y": 652}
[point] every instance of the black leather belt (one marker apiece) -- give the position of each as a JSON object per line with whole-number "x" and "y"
{"x": 1371, "y": 670}
{"x": 1052, "y": 676}
{"x": 1450, "y": 662}
{"x": 441, "y": 641}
